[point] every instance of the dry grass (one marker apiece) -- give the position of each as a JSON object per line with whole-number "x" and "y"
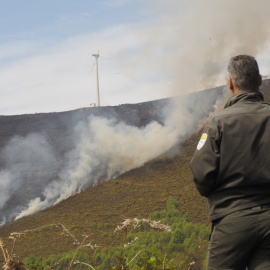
{"x": 10, "y": 263}
{"x": 135, "y": 223}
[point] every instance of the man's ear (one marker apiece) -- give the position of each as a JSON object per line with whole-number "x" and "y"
{"x": 260, "y": 80}
{"x": 231, "y": 85}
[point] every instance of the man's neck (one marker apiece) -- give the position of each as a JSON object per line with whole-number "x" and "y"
{"x": 235, "y": 91}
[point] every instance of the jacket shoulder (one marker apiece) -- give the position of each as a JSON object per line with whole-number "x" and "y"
{"x": 237, "y": 109}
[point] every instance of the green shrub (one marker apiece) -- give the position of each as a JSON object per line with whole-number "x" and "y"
{"x": 158, "y": 215}
{"x": 178, "y": 237}
{"x": 171, "y": 204}
{"x": 204, "y": 233}
{"x": 165, "y": 237}
{"x": 130, "y": 237}
{"x": 173, "y": 213}
{"x": 97, "y": 255}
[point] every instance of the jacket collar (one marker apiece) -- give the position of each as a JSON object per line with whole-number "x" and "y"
{"x": 245, "y": 96}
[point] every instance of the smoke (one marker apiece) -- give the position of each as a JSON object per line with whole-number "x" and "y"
{"x": 106, "y": 147}
{"x": 26, "y": 158}
{"x": 189, "y": 43}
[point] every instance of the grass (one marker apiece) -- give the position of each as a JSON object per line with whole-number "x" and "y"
{"x": 182, "y": 245}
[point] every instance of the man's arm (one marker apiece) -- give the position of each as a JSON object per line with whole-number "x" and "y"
{"x": 205, "y": 162}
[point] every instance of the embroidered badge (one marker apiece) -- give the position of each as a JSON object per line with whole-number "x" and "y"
{"x": 202, "y": 141}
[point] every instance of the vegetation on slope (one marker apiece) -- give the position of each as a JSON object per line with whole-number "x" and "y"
{"x": 146, "y": 244}
{"x": 138, "y": 192}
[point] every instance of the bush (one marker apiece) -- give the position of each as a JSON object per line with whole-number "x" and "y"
{"x": 97, "y": 255}
{"x": 155, "y": 216}
{"x": 171, "y": 204}
{"x": 188, "y": 229}
{"x": 178, "y": 237}
{"x": 165, "y": 237}
{"x": 172, "y": 247}
{"x": 173, "y": 213}
{"x": 130, "y": 237}
{"x": 158, "y": 215}
{"x": 204, "y": 233}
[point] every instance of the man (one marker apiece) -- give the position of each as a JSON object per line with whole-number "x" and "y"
{"x": 231, "y": 167}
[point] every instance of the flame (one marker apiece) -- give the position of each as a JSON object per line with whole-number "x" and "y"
{"x": 202, "y": 128}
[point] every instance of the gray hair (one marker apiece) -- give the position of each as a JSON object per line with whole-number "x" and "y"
{"x": 244, "y": 71}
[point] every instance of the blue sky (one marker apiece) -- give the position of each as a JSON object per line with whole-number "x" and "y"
{"x": 59, "y": 19}
{"x": 157, "y": 48}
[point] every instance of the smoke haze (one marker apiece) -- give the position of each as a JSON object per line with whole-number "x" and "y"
{"x": 26, "y": 158}
{"x": 189, "y": 43}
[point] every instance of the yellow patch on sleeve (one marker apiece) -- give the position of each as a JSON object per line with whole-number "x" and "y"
{"x": 202, "y": 141}
{"x": 204, "y": 136}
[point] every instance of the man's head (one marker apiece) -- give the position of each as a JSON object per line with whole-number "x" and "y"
{"x": 243, "y": 74}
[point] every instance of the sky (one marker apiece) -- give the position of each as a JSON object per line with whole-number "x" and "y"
{"x": 156, "y": 49}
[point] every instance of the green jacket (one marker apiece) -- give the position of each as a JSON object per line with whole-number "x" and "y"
{"x": 231, "y": 166}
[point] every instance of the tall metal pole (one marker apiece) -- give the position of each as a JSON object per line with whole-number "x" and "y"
{"x": 96, "y": 62}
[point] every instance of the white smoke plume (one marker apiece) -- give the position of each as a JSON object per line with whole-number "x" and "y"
{"x": 189, "y": 42}
{"x": 107, "y": 148}
{"x": 23, "y": 156}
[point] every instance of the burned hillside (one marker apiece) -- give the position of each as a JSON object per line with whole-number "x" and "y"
{"x": 40, "y": 152}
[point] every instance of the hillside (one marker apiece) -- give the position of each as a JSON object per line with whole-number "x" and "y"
{"x": 137, "y": 192}
{"x": 41, "y": 150}
{"x": 99, "y": 209}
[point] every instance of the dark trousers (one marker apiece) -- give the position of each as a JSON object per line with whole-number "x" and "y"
{"x": 241, "y": 240}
